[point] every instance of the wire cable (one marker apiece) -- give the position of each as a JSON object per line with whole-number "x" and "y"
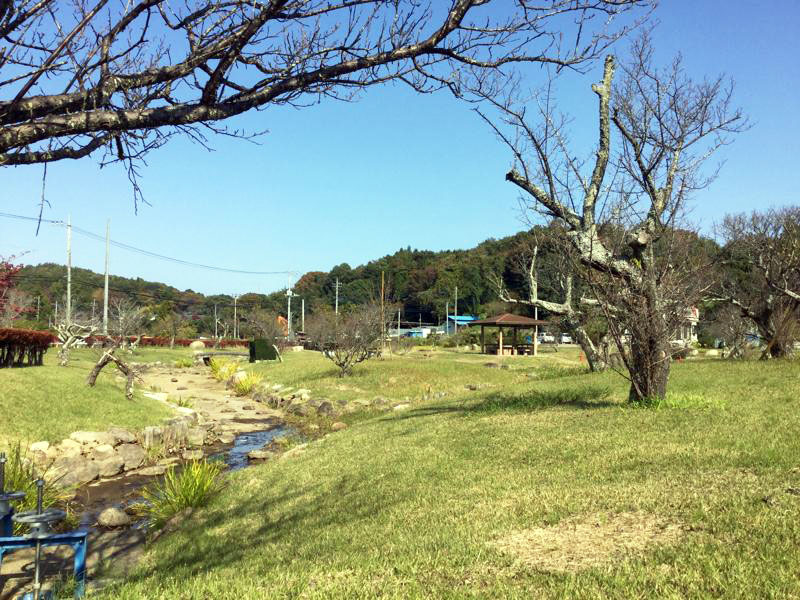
{"x": 144, "y": 252}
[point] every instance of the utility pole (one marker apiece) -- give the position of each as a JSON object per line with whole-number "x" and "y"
{"x": 235, "y": 318}
{"x": 383, "y": 316}
{"x": 56, "y": 318}
{"x": 105, "y": 283}
{"x": 93, "y": 303}
{"x": 303, "y": 314}
{"x": 216, "y": 321}
{"x": 337, "y": 296}
{"x": 398, "y": 324}
{"x": 455, "y": 312}
{"x": 69, "y": 270}
{"x": 37, "y": 308}
{"x": 447, "y": 317}
{"x": 289, "y": 313}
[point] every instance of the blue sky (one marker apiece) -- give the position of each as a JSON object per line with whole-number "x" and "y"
{"x": 350, "y": 182}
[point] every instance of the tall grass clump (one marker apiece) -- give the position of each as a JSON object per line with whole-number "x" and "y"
{"x": 245, "y": 385}
{"x": 222, "y": 370}
{"x": 21, "y": 476}
{"x": 191, "y": 487}
{"x": 183, "y": 363}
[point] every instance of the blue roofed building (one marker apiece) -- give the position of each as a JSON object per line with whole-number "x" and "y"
{"x": 454, "y": 321}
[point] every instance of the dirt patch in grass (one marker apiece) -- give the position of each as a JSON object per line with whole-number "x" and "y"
{"x": 582, "y": 543}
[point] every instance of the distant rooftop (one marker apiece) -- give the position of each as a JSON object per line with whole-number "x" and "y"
{"x": 461, "y": 318}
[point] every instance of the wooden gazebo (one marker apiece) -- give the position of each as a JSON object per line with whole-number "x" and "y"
{"x": 515, "y": 323}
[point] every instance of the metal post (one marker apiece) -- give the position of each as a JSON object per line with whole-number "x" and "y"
{"x": 303, "y": 314}
{"x": 235, "y": 319}
{"x": 398, "y": 324}
{"x": 37, "y": 584}
{"x": 68, "y": 317}
{"x": 105, "y": 283}
{"x": 289, "y": 314}
{"x": 455, "y": 313}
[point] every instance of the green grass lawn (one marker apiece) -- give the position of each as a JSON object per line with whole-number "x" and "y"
{"x": 423, "y": 372}
{"x": 50, "y": 402}
{"x": 412, "y": 504}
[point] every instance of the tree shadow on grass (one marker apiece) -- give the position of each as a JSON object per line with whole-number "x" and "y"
{"x": 582, "y": 397}
{"x": 209, "y": 542}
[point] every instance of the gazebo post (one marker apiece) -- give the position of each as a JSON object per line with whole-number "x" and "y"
{"x": 500, "y": 346}
{"x": 514, "y": 349}
{"x": 483, "y": 343}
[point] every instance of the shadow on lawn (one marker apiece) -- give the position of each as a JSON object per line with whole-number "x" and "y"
{"x": 218, "y": 538}
{"x": 583, "y": 397}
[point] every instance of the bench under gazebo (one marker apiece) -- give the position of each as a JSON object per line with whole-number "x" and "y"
{"x": 514, "y": 323}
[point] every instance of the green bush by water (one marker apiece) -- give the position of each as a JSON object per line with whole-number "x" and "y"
{"x": 191, "y": 487}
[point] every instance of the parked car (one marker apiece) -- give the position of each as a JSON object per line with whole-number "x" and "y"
{"x": 566, "y": 338}
{"x": 547, "y": 338}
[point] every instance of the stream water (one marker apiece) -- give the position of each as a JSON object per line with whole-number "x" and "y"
{"x": 123, "y": 491}
{"x": 235, "y": 457}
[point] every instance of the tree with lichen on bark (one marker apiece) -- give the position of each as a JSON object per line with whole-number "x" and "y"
{"x": 622, "y": 213}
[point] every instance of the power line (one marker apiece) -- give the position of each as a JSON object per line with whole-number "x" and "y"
{"x": 144, "y": 252}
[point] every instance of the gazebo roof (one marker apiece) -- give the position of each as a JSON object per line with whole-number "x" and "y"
{"x": 508, "y": 320}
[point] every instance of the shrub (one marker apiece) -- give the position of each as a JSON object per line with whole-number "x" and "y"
{"x": 183, "y": 363}
{"x": 222, "y": 370}
{"x": 245, "y": 385}
{"x": 21, "y": 476}
{"x": 183, "y": 402}
{"x": 23, "y": 346}
{"x": 192, "y": 487}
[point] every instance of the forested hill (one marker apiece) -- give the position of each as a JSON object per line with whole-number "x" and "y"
{"x": 422, "y": 283}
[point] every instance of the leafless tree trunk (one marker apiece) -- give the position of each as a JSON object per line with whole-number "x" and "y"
{"x": 69, "y": 334}
{"x": 641, "y": 267}
{"x": 127, "y": 370}
{"x": 571, "y": 318}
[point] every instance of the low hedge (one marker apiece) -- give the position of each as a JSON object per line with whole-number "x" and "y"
{"x": 23, "y": 347}
{"x": 163, "y": 341}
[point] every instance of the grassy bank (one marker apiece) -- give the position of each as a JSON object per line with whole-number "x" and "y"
{"x": 447, "y": 500}
{"x": 50, "y": 402}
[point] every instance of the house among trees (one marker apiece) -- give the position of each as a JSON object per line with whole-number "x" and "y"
{"x": 687, "y": 330}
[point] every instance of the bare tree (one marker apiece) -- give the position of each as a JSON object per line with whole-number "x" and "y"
{"x": 127, "y": 320}
{"x": 640, "y": 266}
{"x": 571, "y": 315}
{"x": 762, "y": 278}
{"x": 171, "y": 322}
{"x": 109, "y": 356}
{"x": 347, "y": 339}
{"x": 71, "y": 334}
{"x": 123, "y": 77}
{"x": 264, "y": 324}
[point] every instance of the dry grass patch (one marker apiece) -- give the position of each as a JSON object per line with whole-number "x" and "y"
{"x": 579, "y": 543}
